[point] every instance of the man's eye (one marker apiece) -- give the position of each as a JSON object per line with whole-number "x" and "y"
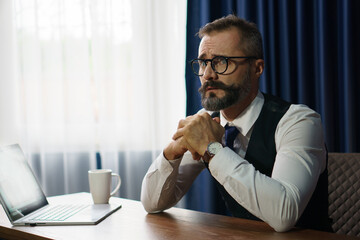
{"x": 202, "y": 63}
{"x": 219, "y": 61}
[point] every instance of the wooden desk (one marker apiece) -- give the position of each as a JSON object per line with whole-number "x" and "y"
{"x": 132, "y": 222}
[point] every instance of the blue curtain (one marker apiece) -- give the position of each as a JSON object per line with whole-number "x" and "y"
{"x": 312, "y": 57}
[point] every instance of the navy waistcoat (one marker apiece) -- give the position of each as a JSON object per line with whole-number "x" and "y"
{"x": 262, "y": 143}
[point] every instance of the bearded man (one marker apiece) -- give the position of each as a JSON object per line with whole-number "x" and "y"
{"x": 267, "y": 156}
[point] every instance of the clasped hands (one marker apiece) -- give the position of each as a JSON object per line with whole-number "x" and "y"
{"x": 193, "y": 134}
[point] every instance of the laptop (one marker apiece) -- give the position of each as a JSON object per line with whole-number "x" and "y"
{"x": 25, "y": 202}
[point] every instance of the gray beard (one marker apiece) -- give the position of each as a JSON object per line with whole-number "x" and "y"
{"x": 233, "y": 95}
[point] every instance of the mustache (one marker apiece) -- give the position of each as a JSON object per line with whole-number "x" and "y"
{"x": 214, "y": 84}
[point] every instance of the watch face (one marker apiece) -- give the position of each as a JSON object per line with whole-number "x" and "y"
{"x": 214, "y": 147}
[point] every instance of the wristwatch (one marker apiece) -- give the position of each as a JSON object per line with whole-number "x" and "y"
{"x": 212, "y": 149}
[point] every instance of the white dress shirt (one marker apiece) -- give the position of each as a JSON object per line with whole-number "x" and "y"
{"x": 278, "y": 200}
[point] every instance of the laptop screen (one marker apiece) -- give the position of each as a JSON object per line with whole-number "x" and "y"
{"x": 20, "y": 192}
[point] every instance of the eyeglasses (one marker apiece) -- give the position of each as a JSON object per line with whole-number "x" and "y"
{"x": 219, "y": 64}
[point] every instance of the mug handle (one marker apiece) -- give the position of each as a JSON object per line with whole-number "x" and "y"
{"x": 118, "y": 184}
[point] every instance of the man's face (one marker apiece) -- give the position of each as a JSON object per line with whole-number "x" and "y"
{"x": 219, "y": 91}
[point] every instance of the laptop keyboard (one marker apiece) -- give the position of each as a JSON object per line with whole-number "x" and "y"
{"x": 58, "y": 212}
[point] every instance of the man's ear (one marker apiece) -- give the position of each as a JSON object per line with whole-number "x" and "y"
{"x": 259, "y": 67}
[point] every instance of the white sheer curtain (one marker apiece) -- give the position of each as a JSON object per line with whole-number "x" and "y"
{"x": 88, "y": 76}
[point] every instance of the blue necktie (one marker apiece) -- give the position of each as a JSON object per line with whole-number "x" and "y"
{"x": 230, "y": 135}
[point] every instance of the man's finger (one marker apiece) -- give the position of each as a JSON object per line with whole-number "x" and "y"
{"x": 178, "y": 133}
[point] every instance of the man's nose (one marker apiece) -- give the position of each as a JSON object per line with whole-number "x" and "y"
{"x": 209, "y": 73}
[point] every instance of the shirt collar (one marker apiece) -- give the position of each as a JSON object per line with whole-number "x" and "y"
{"x": 247, "y": 118}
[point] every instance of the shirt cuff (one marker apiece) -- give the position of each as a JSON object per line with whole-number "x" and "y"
{"x": 167, "y": 163}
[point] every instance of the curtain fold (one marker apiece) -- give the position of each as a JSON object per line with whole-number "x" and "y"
{"x": 311, "y": 57}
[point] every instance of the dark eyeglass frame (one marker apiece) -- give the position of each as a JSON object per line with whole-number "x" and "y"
{"x": 211, "y": 63}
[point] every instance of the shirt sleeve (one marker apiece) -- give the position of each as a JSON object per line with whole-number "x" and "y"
{"x": 166, "y": 182}
{"x": 280, "y": 199}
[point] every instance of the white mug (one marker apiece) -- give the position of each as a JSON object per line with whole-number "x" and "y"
{"x": 100, "y": 185}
